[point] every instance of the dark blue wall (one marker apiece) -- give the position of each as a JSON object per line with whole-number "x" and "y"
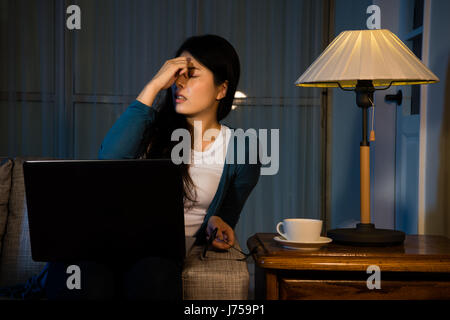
{"x": 346, "y": 128}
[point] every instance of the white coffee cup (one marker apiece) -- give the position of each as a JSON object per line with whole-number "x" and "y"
{"x": 300, "y": 230}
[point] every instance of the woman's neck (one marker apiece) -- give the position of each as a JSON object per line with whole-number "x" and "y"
{"x": 204, "y": 131}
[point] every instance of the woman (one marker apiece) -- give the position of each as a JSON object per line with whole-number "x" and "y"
{"x": 199, "y": 83}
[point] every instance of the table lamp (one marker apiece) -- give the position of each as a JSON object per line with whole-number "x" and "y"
{"x": 364, "y": 61}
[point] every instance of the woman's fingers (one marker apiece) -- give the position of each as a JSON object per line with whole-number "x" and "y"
{"x": 230, "y": 236}
{"x": 170, "y": 71}
{"x": 224, "y": 239}
{"x": 181, "y": 61}
{"x": 184, "y": 64}
{"x": 164, "y": 78}
{"x": 225, "y": 234}
{"x": 219, "y": 244}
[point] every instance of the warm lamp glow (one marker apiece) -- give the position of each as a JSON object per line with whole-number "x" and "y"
{"x": 239, "y": 95}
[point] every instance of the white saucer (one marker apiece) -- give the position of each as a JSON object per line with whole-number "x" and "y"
{"x": 305, "y": 246}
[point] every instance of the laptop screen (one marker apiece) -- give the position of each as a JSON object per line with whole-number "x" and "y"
{"x": 104, "y": 209}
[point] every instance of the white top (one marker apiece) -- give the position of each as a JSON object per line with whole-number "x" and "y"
{"x": 206, "y": 170}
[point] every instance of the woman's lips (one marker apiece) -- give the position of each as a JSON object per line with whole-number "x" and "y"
{"x": 180, "y": 99}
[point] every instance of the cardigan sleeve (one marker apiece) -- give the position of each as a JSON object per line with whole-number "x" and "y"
{"x": 123, "y": 139}
{"x": 246, "y": 178}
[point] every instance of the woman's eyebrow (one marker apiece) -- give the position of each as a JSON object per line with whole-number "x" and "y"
{"x": 193, "y": 68}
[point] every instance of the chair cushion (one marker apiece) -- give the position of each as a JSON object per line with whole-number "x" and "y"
{"x": 218, "y": 277}
{"x": 5, "y": 186}
{"x": 16, "y": 264}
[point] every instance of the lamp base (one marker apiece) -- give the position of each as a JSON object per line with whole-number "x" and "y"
{"x": 365, "y": 234}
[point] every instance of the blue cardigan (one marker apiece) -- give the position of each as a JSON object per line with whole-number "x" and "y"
{"x": 237, "y": 180}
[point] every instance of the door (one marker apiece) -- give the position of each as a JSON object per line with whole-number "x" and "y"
{"x": 396, "y": 158}
{"x": 408, "y": 126}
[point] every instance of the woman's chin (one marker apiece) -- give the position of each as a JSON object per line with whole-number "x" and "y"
{"x": 182, "y": 109}
{"x": 179, "y": 108}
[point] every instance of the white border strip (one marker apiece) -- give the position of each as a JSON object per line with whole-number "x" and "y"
{"x": 423, "y": 120}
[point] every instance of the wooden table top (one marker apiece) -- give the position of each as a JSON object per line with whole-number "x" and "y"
{"x": 419, "y": 253}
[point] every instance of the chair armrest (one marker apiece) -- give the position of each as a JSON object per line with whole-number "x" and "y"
{"x": 219, "y": 277}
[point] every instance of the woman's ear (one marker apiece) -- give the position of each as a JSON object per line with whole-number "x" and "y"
{"x": 222, "y": 90}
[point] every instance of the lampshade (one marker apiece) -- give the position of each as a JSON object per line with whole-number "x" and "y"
{"x": 377, "y": 55}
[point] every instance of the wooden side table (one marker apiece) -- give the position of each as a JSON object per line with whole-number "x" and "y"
{"x": 418, "y": 269}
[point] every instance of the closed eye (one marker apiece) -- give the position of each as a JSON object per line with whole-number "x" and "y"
{"x": 191, "y": 72}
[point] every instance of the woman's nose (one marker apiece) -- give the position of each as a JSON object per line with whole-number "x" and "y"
{"x": 181, "y": 81}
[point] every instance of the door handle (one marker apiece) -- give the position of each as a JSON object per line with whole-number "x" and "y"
{"x": 397, "y": 98}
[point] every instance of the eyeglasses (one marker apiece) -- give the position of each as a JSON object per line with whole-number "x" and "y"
{"x": 208, "y": 244}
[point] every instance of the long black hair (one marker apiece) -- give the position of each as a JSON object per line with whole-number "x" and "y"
{"x": 219, "y": 56}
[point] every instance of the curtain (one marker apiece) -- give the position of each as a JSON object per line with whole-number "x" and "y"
{"x": 61, "y": 89}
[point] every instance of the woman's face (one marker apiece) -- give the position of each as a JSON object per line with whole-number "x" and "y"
{"x": 201, "y": 94}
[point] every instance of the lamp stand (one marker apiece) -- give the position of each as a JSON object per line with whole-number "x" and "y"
{"x": 365, "y": 233}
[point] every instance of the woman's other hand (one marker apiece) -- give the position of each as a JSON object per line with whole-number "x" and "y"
{"x": 224, "y": 232}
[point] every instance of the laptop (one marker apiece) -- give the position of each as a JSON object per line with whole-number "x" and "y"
{"x": 102, "y": 210}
